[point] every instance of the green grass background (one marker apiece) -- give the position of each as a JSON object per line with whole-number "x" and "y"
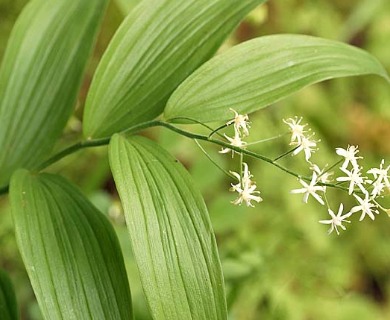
{"x": 278, "y": 261}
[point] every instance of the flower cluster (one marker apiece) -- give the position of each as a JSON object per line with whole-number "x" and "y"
{"x": 245, "y": 187}
{"x": 364, "y": 187}
{"x": 364, "y": 190}
{"x": 241, "y": 128}
{"x": 311, "y": 189}
{"x": 300, "y": 138}
{"x": 359, "y": 187}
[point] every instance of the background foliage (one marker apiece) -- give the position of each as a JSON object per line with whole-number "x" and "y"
{"x": 278, "y": 261}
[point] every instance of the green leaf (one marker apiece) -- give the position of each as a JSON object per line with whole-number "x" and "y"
{"x": 70, "y": 250}
{"x": 8, "y": 306}
{"x": 262, "y": 71}
{"x": 158, "y": 45}
{"x": 170, "y": 232}
{"x": 127, "y": 5}
{"x": 40, "y": 77}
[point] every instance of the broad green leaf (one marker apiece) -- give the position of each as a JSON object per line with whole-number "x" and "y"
{"x": 262, "y": 71}
{"x": 158, "y": 45}
{"x": 8, "y": 306}
{"x": 40, "y": 77}
{"x": 70, "y": 250}
{"x": 127, "y": 5}
{"x": 170, "y": 232}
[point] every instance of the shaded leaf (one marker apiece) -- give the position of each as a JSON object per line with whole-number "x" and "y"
{"x": 259, "y": 72}
{"x": 8, "y": 306}
{"x": 170, "y": 232}
{"x": 70, "y": 250}
{"x": 157, "y": 46}
{"x": 40, "y": 77}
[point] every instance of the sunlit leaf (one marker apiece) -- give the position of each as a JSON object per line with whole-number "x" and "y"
{"x": 170, "y": 232}
{"x": 40, "y": 77}
{"x": 70, "y": 250}
{"x": 8, "y": 306}
{"x": 259, "y": 72}
{"x": 158, "y": 45}
{"x": 127, "y": 5}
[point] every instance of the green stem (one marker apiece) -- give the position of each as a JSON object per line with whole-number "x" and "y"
{"x": 266, "y": 140}
{"x": 331, "y": 167}
{"x": 285, "y": 154}
{"x": 82, "y": 145}
{"x": 246, "y": 152}
{"x": 149, "y": 124}
{"x": 200, "y": 123}
{"x": 90, "y": 144}
{"x": 213, "y": 161}
{"x": 70, "y": 150}
{"x": 227, "y": 145}
{"x": 241, "y": 162}
{"x": 215, "y": 131}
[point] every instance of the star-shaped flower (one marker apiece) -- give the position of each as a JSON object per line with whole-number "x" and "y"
{"x": 245, "y": 180}
{"x": 310, "y": 189}
{"x": 241, "y": 122}
{"x": 247, "y": 195}
{"x": 337, "y": 220}
{"x": 296, "y": 128}
{"x": 355, "y": 179}
{"x": 381, "y": 175}
{"x": 350, "y": 156}
{"x": 307, "y": 146}
{"x": 378, "y": 187}
{"x": 367, "y": 207}
{"x": 245, "y": 187}
{"x": 235, "y": 141}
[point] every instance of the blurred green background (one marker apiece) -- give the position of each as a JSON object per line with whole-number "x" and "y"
{"x": 278, "y": 261}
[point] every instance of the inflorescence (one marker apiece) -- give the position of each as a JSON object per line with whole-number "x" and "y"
{"x": 246, "y": 188}
{"x": 365, "y": 188}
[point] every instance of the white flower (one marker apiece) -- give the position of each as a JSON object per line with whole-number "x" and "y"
{"x": 299, "y": 138}
{"x": 310, "y": 189}
{"x": 245, "y": 180}
{"x": 378, "y": 188}
{"x": 307, "y": 146}
{"x": 349, "y": 155}
{"x": 337, "y": 220}
{"x": 235, "y": 141}
{"x": 365, "y": 206}
{"x": 296, "y": 128}
{"x": 246, "y": 188}
{"x": 355, "y": 179}
{"x": 247, "y": 195}
{"x": 380, "y": 174}
{"x": 241, "y": 122}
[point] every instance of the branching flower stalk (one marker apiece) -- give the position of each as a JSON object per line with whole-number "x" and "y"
{"x": 364, "y": 190}
{"x": 194, "y": 136}
{"x": 149, "y": 124}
